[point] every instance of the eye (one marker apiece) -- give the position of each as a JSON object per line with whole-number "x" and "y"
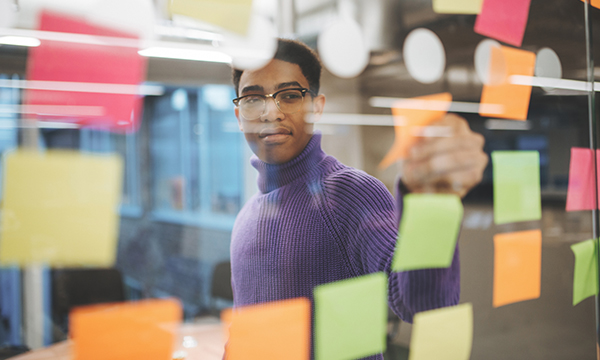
{"x": 252, "y": 100}
{"x": 290, "y": 96}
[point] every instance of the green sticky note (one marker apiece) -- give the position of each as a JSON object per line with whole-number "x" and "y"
{"x": 516, "y": 186}
{"x": 351, "y": 317}
{"x": 585, "y": 279}
{"x": 428, "y": 231}
{"x": 445, "y": 333}
{"x": 457, "y": 6}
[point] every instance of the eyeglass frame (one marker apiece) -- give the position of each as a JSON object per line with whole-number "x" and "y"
{"x": 236, "y": 101}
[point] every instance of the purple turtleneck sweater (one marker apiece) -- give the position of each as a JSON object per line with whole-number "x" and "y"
{"x": 315, "y": 221}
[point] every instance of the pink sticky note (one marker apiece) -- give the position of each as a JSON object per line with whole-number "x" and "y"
{"x": 503, "y": 20}
{"x": 86, "y": 83}
{"x": 581, "y": 193}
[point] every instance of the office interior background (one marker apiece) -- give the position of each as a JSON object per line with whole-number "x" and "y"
{"x": 187, "y": 172}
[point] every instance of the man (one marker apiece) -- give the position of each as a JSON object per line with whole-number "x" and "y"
{"x": 315, "y": 220}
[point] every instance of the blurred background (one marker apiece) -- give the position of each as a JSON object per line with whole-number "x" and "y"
{"x": 186, "y": 170}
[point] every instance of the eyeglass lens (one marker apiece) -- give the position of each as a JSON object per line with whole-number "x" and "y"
{"x": 290, "y": 101}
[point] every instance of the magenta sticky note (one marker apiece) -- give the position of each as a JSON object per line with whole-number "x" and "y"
{"x": 92, "y": 83}
{"x": 503, "y": 20}
{"x": 581, "y": 192}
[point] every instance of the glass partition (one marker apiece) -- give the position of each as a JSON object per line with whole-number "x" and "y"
{"x": 160, "y": 159}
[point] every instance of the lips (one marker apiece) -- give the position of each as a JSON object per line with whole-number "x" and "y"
{"x": 274, "y": 131}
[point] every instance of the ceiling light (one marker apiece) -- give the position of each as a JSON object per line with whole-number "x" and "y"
{"x": 20, "y": 41}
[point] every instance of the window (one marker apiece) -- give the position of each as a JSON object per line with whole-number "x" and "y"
{"x": 196, "y": 151}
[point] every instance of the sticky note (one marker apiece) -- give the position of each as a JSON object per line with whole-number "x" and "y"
{"x": 60, "y": 208}
{"x": 517, "y": 194}
{"x": 513, "y": 99}
{"x": 503, "y": 20}
{"x": 594, "y": 3}
{"x": 124, "y": 331}
{"x": 445, "y": 333}
{"x": 89, "y": 84}
{"x": 517, "y": 266}
{"x": 275, "y": 330}
{"x": 585, "y": 278}
{"x": 457, "y": 6}
{"x": 233, "y": 15}
{"x": 411, "y": 115}
{"x": 581, "y": 191}
{"x": 428, "y": 231}
{"x": 351, "y": 317}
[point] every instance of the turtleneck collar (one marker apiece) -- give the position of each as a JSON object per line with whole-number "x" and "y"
{"x": 271, "y": 177}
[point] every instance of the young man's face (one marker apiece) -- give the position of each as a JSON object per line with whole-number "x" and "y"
{"x": 277, "y": 137}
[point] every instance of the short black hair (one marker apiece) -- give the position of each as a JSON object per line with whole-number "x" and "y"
{"x": 295, "y": 52}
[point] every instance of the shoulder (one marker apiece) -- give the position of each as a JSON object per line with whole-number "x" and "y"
{"x": 350, "y": 185}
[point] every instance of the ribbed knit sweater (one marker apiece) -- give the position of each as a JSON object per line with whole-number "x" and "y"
{"x": 315, "y": 221}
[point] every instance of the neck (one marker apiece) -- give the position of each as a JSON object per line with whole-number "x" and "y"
{"x": 271, "y": 177}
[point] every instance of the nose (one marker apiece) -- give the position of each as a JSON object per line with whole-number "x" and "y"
{"x": 272, "y": 112}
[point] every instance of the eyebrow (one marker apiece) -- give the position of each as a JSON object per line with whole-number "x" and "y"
{"x": 289, "y": 84}
{"x": 252, "y": 88}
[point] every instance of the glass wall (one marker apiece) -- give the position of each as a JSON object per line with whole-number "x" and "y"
{"x": 181, "y": 166}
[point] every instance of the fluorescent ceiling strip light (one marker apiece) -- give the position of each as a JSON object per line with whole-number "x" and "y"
{"x": 553, "y": 83}
{"x": 54, "y": 110}
{"x": 435, "y": 105}
{"x": 186, "y": 54}
{"x": 101, "y": 88}
{"x": 196, "y": 34}
{"x": 13, "y": 124}
{"x": 19, "y": 41}
{"x": 502, "y": 124}
{"x": 356, "y": 119}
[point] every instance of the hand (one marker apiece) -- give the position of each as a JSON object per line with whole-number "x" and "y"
{"x": 453, "y": 164}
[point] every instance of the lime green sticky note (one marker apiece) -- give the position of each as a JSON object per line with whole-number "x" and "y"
{"x": 233, "y": 15}
{"x": 445, "y": 333}
{"x": 457, "y": 6}
{"x": 60, "y": 208}
{"x": 585, "y": 279}
{"x": 351, "y": 317}
{"x": 428, "y": 231}
{"x": 516, "y": 186}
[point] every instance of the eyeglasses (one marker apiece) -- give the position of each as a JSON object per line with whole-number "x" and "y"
{"x": 288, "y": 101}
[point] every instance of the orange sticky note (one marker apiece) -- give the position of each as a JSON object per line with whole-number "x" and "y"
{"x": 513, "y": 99}
{"x": 517, "y": 266}
{"x": 276, "y": 330}
{"x": 124, "y": 331}
{"x": 410, "y": 117}
{"x": 594, "y": 3}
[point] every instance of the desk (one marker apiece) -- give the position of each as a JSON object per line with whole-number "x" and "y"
{"x": 198, "y": 341}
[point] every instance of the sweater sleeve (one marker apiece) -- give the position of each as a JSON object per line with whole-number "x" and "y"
{"x": 365, "y": 219}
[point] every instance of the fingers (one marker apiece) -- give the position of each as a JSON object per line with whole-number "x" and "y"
{"x": 427, "y": 148}
{"x": 447, "y": 164}
{"x": 457, "y": 182}
{"x": 443, "y": 164}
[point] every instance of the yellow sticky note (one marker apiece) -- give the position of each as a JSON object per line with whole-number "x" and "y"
{"x": 457, "y": 6}
{"x": 60, "y": 208}
{"x": 445, "y": 333}
{"x": 233, "y": 15}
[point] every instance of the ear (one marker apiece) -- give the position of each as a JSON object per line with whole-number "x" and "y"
{"x": 239, "y": 120}
{"x": 318, "y": 106}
